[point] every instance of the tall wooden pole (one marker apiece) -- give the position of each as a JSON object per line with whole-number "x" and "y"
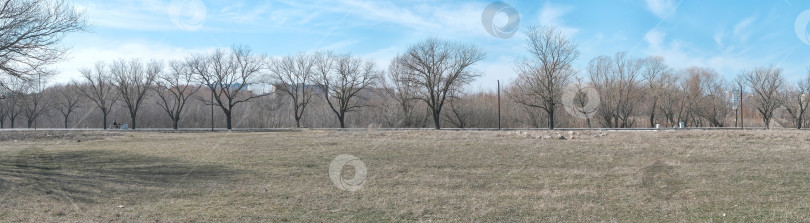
{"x": 499, "y": 104}
{"x": 742, "y": 124}
{"x": 212, "y": 110}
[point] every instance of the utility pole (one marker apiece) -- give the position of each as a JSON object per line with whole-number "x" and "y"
{"x": 212, "y": 109}
{"x": 499, "y": 104}
{"x": 742, "y": 124}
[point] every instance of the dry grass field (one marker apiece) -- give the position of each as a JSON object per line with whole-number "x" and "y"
{"x": 481, "y": 176}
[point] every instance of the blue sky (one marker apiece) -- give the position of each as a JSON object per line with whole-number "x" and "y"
{"x": 728, "y": 36}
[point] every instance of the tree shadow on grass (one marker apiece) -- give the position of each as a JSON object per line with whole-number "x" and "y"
{"x": 90, "y": 176}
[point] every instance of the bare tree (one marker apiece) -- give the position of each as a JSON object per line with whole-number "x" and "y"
{"x": 228, "y": 74}
{"x": 30, "y": 34}
{"x": 32, "y": 104}
{"x": 291, "y": 75}
{"x": 65, "y": 100}
{"x": 545, "y": 73}
{"x": 717, "y": 103}
{"x": 439, "y": 66}
{"x": 618, "y": 83}
{"x": 580, "y": 106}
{"x": 14, "y": 109}
{"x": 396, "y": 86}
{"x": 705, "y": 97}
{"x": 654, "y": 72}
{"x": 797, "y": 101}
{"x": 98, "y": 87}
{"x": 670, "y": 97}
{"x": 4, "y": 106}
{"x": 18, "y": 99}
{"x": 458, "y": 113}
{"x": 345, "y": 80}
{"x": 174, "y": 88}
{"x": 766, "y": 84}
{"x": 132, "y": 80}
{"x": 12, "y": 97}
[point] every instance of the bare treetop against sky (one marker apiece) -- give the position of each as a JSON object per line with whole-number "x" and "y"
{"x": 729, "y": 36}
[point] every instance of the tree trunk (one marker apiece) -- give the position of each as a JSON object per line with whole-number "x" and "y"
{"x": 342, "y": 123}
{"x": 105, "y": 120}
{"x": 615, "y": 121}
{"x": 132, "y": 120}
{"x": 767, "y": 123}
{"x": 30, "y": 122}
{"x": 12, "y": 121}
{"x": 66, "y": 121}
{"x": 406, "y": 121}
{"x": 228, "y": 117}
{"x": 296, "y": 116}
{"x": 436, "y": 119}
{"x": 174, "y": 122}
{"x": 550, "y": 119}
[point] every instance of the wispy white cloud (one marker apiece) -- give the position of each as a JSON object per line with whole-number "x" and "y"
{"x": 552, "y": 15}
{"x": 154, "y": 15}
{"x": 673, "y": 51}
{"x": 661, "y": 8}
{"x": 420, "y": 17}
{"x": 340, "y": 45}
{"x": 243, "y": 13}
{"x": 87, "y": 55}
{"x": 655, "y": 39}
{"x": 388, "y": 12}
{"x": 499, "y": 68}
{"x": 148, "y": 15}
{"x": 718, "y": 38}
{"x": 383, "y": 57}
{"x": 680, "y": 55}
{"x": 742, "y": 28}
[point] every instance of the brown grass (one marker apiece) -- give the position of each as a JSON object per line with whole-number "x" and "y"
{"x": 687, "y": 176}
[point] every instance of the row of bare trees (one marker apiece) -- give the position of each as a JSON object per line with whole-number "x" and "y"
{"x": 344, "y": 81}
{"x": 631, "y": 88}
{"x": 424, "y": 86}
{"x": 692, "y": 96}
{"x": 225, "y": 73}
{"x": 429, "y": 71}
{"x": 433, "y": 71}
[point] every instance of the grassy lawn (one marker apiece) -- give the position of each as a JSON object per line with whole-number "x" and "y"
{"x": 489, "y": 176}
